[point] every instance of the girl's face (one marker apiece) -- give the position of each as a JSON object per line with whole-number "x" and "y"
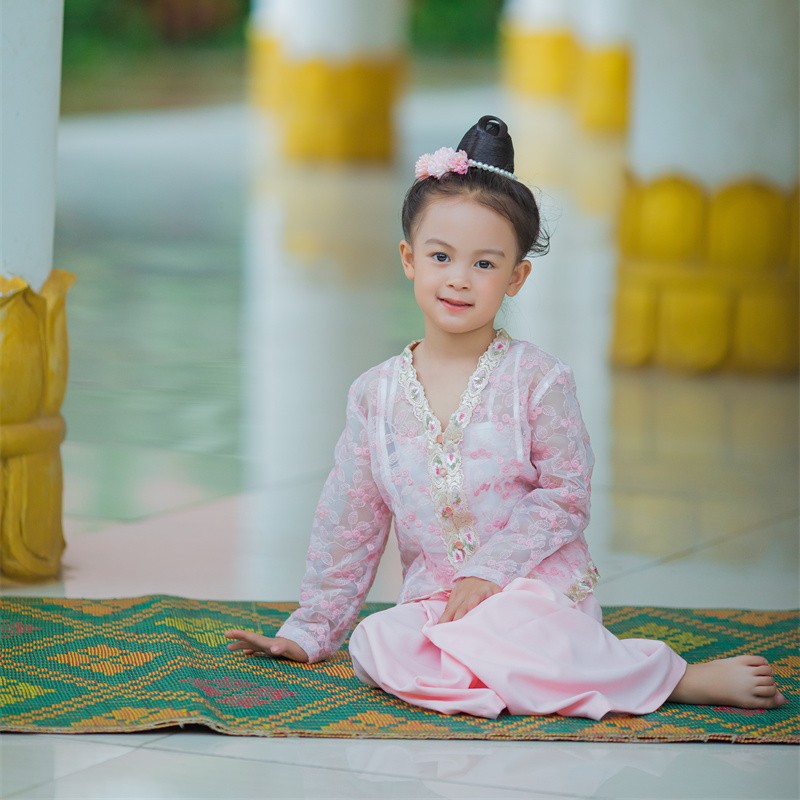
{"x": 463, "y": 260}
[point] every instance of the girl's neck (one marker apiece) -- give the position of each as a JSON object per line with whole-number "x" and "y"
{"x": 440, "y": 346}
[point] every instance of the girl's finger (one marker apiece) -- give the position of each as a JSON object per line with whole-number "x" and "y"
{"x": 462, "y": 609}
{"x": 241, "y": 647}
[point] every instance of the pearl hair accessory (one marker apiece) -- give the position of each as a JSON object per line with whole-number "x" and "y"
{"x": 491, "y": 168}
{"x": 446, "y": 159}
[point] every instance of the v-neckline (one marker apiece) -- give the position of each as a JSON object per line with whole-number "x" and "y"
{"x": 415, "y": 391}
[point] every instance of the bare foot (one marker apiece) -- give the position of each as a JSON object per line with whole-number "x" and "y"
{"x": 742, "y": 681}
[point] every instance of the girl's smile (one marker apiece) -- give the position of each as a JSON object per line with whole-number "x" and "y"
{"x": 462, "y": 258}
{"x": 454, "y": 305}
{"x": 486, "y": 547}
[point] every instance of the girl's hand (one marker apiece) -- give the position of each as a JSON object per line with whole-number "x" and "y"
{"x": 251, "y": 644}
{"x": 467, "y": 593}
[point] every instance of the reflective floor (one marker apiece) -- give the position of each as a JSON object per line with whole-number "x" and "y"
{"x": 224, "y": 303}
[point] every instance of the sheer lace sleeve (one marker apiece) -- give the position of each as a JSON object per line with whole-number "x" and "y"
{"x": 557, "y": 510}
{"x": 348, "y": 536}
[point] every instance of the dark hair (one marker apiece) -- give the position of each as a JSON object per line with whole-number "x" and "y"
{"x": 487, "y": 141}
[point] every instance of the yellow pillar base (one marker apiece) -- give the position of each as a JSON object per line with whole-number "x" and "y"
{"x": 328, "y": 111}
{"x": 555, "y": 65}
{"x": 707, "y": 282}
{"x": 265, "y": 87}
{"x": 539, "y": 64}
{"x": 33, "y": 381}
{"x": 602, "y": 89}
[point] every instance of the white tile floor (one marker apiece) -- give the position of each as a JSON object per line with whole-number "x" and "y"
{"x": 223, "y": 305}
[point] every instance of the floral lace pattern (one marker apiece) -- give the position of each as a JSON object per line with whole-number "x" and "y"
{"x": 509, "y": 482}
{"x": 444, "y": 448}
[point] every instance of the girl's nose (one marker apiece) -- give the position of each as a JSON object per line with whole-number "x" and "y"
{"x": 458, "y": 277}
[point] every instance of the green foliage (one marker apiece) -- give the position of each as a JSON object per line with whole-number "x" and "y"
{"x": 99, "y": 32}
{"x": 95, "y": 30}
{"x": 459, "y": 27}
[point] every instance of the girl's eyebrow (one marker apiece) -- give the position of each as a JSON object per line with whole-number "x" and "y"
{"x": 488, "y": 251}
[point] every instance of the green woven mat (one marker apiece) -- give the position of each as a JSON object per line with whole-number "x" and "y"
{"x": 80, "y": 666}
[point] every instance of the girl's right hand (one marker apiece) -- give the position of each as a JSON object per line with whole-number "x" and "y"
{"x": 251, "y": 643}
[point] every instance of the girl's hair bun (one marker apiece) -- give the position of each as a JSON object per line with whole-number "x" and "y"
{"x": 489, "y": 141}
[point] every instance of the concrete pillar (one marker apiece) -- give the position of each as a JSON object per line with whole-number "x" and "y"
{"x": 33, "y": 336}
{"x": 330, "y": 72}
{"x": 574, "y": 50}
{"x": 708, "y": 229}
{"x": 601, "y": 92}
{"x": 268, "y": 20}
{"x": 539, "y": 47}
{"x": 316, "y": 283}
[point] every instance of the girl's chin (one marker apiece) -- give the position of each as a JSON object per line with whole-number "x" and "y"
{"x": 455, "y": 325}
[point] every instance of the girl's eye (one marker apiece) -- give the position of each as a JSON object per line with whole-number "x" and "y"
{"x": 440, "y": 257}
{"x": 484, "y": 264}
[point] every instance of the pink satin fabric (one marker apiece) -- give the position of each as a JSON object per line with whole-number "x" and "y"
{"x": 528, "y": 649}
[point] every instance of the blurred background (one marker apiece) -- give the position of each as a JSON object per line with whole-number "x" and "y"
{"x": 229, "y": 179}
{"x": 222, "y": 180}
{"x": 174, "y": 53}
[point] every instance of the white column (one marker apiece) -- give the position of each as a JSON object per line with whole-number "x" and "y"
{"x": 342, "y": 29}
{"x": 602, "y": 24}
{"x": 575, "y": 50}
{"x": 30, "y": 64}
{"x": 716, "y": 90}
{"x": 602, "y": 80}
{"x": 709, "y": 272}
{"x": 540, "y": 15}
{"x": 269, "y": 17}
{"x": 330, "y": 72}
{"x": 539, "y": 52}
{"x": 33, "y": 334}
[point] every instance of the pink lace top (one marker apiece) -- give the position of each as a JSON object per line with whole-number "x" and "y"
{"x": 502, "y": 492}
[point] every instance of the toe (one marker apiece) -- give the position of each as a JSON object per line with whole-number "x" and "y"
{"x": 766, "y": 691}
{"x": 773, "y": 702}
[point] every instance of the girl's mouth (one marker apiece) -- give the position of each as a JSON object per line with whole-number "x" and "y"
{"x": 455, "y": 305}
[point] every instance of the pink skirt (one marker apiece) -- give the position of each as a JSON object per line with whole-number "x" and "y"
{"x": 528, "y": 649}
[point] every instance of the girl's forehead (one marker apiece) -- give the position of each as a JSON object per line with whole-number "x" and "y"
{"x": 463, "y": 216}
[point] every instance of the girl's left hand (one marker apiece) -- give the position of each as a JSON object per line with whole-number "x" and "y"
{"x": 467, "y": 593}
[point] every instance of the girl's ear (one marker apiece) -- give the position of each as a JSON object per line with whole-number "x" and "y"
{"x": 518, "y": 277}
{"x": 407, "y": 257}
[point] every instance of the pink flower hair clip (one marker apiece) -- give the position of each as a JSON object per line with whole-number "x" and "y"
{"x": 446, "y": 159}
{"x": 438, "y": 164}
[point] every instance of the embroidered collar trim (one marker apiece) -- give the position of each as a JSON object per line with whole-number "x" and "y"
{"x": 444, "y": 448}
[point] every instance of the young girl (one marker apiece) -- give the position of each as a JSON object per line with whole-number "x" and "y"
{"x": 474, "y": 443}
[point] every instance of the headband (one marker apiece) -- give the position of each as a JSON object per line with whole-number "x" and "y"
{"x": 445, "y": 159}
